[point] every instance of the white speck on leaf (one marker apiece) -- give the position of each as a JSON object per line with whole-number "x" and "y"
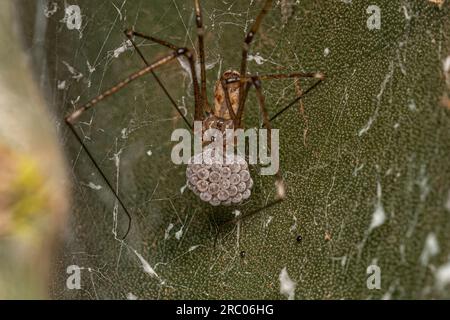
{"x": 147, "y": 267}
{"x": 446, "y": 68}
{"x": 74, "y": 102}
{"x": 447, "y": 64}
{"x": 379, "y": 216}
{"x": 193, "y": 248}
{"x": 179, "y": 233}
{"x": 423, "y": 183}
{"x": 326, "y": 52}
{"x": 294, "y": 226}
{"x": 287, "y": 286}
{"x": 358, "y": 169}
{"x": 127, "y": 45}
{"x": 257, "y": 58}
{"x": 131, "y": 296}
{"x": 75, "y": 74}
{"x": 430, "y": 249}
{"x": 268, "y": 221}
{"x": 167, "y": 232}
{"x": 94, "y": 186}
{"x": 124, "y": 133}
{"x": 183, "y": 188}
{"x": 90, "y": 68}
{"x": 343, "y": 261}
{"x": 50, "y": 11}
{"x": 61, "y": 85}
{"x": 407, "y": 15}
{"x": 412, "y": 105}
{"x": 442, "y": 276}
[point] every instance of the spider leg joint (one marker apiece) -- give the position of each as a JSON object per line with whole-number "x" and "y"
{"x": 71, "y": 119}
{"x": 184, "y": 51}
{"x": 129, "y": 32}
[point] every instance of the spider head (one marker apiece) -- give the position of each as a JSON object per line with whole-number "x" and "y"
{"x": 220, "y": 109}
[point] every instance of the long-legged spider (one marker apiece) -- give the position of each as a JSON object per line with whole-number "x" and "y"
{"x": 230, "y": 96}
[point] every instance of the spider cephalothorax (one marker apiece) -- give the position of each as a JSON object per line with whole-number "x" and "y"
{"x": 220, "y": 117}
{"x": 220, "y": 109}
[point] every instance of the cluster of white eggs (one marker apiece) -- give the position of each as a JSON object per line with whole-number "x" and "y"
{"x": 223, "y": 180}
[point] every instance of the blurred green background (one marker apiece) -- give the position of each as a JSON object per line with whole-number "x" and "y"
{"x": 366, "y": 163}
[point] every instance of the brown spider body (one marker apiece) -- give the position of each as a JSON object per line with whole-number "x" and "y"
{"x": 220, "y": 109}
{"x": 220, "y": 117}
{"x": 221, "y": 183}
{"x": 215, "y": 182}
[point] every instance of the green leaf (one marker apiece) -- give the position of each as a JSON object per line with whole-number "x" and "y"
{"x": 365, "y": 163}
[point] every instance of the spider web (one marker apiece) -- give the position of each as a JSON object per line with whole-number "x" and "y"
{"x": 364, "y": 174}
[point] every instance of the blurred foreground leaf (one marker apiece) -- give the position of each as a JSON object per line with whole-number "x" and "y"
{"x": 366, "y": 161}
{"x": 33, "y": 197}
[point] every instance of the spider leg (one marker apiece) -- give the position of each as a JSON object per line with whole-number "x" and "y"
{"x": 199, "y": 111}
{"x": 299, "y": 97}
{"x": 278, "y": 76}
{"x": 279, "y": 183}
{"x": 108, "y": 183}
{"x": 130, "y": 38}
{"x": 73, "y": 117}
{"x": 224, "y": 82}
{"x": 247, "y": 42}
{"x": 227, "y": 98}
{"x": 256, "y": 81}
{"x": 297, "y": 75}
{"x": 201, "y": 49}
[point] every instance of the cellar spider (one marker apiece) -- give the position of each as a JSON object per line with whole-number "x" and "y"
{"x": 216, "y": 184}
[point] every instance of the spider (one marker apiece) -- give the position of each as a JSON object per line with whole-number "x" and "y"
{"x": 227, "y": 184}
